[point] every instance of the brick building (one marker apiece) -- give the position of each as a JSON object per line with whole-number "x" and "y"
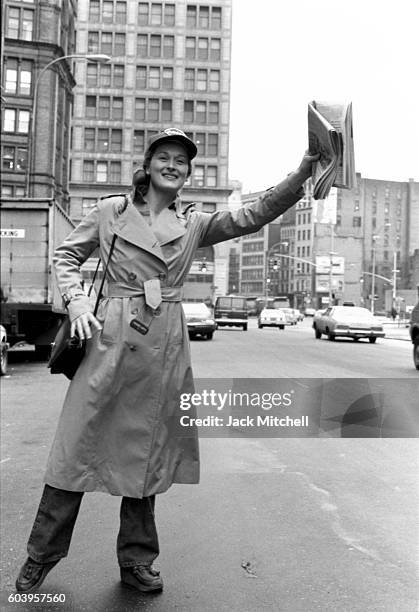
{"x": 36, "y": 128}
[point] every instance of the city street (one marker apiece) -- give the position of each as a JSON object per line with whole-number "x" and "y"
{"x": 325, "y": 523}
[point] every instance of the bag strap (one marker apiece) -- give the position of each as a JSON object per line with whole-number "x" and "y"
{"x": 99, "y": 295}
{"x": 94, "y": 278}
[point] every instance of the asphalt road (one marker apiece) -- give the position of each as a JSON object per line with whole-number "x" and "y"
{"x": 325, "y": 523}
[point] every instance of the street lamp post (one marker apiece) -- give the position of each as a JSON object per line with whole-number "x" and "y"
{"x": 98, "y": 58}
{"x": 374, "y": 239}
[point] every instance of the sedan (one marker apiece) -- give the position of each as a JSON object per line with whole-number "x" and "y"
{"x": 272, "y": 317}
{"x": 347, "y": 322}
{"x": 199, "y": 320}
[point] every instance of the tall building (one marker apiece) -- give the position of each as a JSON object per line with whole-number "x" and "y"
{"x": 375, "y": 233}
{"x": 170, "y": 66}
{"x": 36, "y": 104}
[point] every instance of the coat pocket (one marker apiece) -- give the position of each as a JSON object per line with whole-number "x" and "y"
{"x": 109, "y": 315}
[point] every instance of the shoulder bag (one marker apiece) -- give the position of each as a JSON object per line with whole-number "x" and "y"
{"x": 67, "y": 351}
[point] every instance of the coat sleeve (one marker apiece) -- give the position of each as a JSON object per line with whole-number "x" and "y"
{"x": 68, "y": 258}
{"x": 225, "y": 224}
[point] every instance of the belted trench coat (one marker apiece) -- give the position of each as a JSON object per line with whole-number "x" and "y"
{"x": 118, "y": 431}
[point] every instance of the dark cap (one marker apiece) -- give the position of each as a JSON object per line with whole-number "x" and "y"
{"x": 176, "y": 135}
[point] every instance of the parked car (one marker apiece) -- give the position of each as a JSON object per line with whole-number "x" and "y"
{"x": 347, "y": 322}
{"x": 199, "y": 320}
{"x": 309, "y": 311}
{"x": 4, "y": 349}
{"x": 231, "y": 310}
{"x": 414, "y": 334}
{"x": 272, "y": 317}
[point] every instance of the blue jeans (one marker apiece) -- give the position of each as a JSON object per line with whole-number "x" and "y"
{"x": 137, "y": 542}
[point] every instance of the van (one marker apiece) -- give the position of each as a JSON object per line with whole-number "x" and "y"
{"x": 231, "y": 311}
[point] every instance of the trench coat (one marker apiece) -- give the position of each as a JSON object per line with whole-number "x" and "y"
{"x": 119, "y": 431}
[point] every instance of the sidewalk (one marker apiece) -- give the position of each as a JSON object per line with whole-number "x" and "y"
{"x": 396, "y": 330}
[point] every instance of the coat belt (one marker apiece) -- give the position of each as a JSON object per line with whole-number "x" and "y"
{"x": 168, "y": 294}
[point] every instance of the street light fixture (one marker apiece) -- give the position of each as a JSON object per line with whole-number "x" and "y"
{"x": 99, "y": 58}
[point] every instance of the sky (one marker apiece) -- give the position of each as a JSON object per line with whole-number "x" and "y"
{"x": 286, "y": 53}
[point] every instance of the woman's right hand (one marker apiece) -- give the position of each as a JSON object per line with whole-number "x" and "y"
{"x": 82, "y": 325}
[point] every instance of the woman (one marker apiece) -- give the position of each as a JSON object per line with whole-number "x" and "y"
{"x": 117, "y": 432}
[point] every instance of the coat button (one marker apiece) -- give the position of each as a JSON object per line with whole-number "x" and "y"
{"x": 162, "y": 276}
{"x": 134, "y": 311}
{"x": 132, "y": 347}
{"x": 157, "y": 311}
{"x": 132, "y": 276}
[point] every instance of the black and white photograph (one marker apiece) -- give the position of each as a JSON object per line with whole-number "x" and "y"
{"x": 209, "y": 306}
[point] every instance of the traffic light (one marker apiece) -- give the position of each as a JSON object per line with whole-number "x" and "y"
{"x": 203, "y": 267}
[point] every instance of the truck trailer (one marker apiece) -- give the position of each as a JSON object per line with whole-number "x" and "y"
{"x": 31, "y": 305}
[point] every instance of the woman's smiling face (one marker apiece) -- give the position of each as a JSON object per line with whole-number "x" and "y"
{"x": 169, "y": 167}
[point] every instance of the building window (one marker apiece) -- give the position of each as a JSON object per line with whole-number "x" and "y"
{"x": 167, "y": 78}
{"x": 14, "y": 158}
{"x": 92, "y": 75}
{"x": 153, "y": 109}
{"x": 198, "y": 176}
{"x": 216, "y": 18}
{"x": 156, "y": 14}
{"x": 200, "y": 139}
{"x": 188, "y": 111}
{"x": 118, "y": 75}
{"x": 93, "y": 42}
{"x": 115, "y": 173}
{"x": 86, "y": 205}
{"x": 19, "y": 23}
{"x": 189, "y": 79}
{"x": 215, "y": 49}
{"x": 16, "y": 120}
{"x": 119, "y": 46}
{"x": 356, "y": 222}
{"x": 215, "y": 80}
{"x": 202, "y": 80}
{"x": 169, "y": 14}
{"x": 101, "y": 172}
{"x": 143, "y": 13}
{"x": 88, "y": 171}
{"x": 121, "y": 12}
{"x": 191, "y": 16}
{"x": 190, "y": 49}
{"x": 213, "y": 145}
{"x": 18, "y": 77}
{"x": 117, "y": 108}
{"x": 89, "y": 139}
{"x": 139, "y": 109}
{"x": 104, "y": 107}
{"x": 91, "y": 106}
{"x": 154, "y": 78}
{"x": 166, "y": 110}
{"x": 202, "y": 48}
{"x": 212, "y": 176}
{"x": 142, "y": 45}
{"x": 94, "y": 11}
{"x": 356, "y": 205}
{"x": 201, "y": 112}
{"x": 204, "y": 17}
{"x": 213, "y": 112}
{"x": 141, "y": 77}
{"x": 139, "y": 142}
{"x": 168, "y": 46}
{"x": 105, "y": 76}
{"x": 155, "y": 46}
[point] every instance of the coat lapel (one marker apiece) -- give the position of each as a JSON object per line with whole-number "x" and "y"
{"x": 133, "y": 227}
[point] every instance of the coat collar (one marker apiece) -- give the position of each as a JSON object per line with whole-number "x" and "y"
{"x": 133, "y": 227}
